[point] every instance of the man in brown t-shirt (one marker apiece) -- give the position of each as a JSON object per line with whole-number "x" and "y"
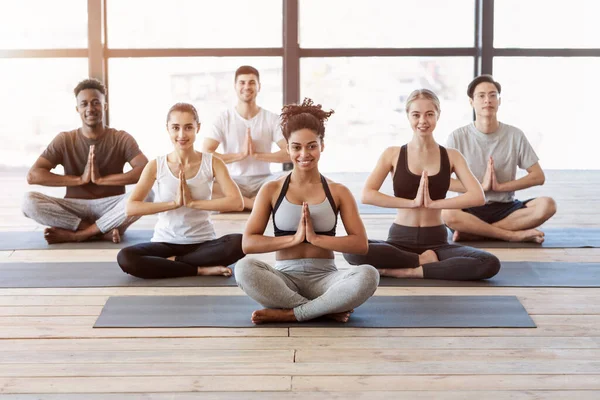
{"x": 93, "y": 158}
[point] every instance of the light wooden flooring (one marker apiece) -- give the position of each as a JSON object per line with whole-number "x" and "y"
{"x": 49, "y": 350}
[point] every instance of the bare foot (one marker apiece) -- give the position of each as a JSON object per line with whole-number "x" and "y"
{"x": 59, "y": 235}
{"x": 340, "y": 317}
{"x": 529, "y": 235}
{"x": 428, "y": 256}
{"x": 218, "y": 270}
{"x": 461, "y": 236}
{"x": 273, "y": 315}
{"x": 112, "y": 236}
{"x": 402, "y": 272}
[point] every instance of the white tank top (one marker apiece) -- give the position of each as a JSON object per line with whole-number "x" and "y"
{"x": 184, "y": 225}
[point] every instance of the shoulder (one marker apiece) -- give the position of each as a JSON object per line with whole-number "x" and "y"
{"x": 512, "y": 130}
{"x": 338, "y": 190}
{"x": 119, "y": 135}
{"x": 454, "y": 155}
{"x": 459, "y": 133}
{"x": 391, "y": 153}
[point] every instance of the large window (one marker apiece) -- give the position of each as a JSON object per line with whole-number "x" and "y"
{"x": 43, "y": 24}
{"x": 545, "y": 24}
{"x": 194, "y": 24}
{"x": 37, "y": 102}
{"x": 368, "y": 95}
{"x": 553, "y": 100}
{"x": 360, "y": 58}
{"x": 385, "y": 23}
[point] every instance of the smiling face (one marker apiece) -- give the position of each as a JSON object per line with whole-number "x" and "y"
{"x": 182, "y": 128}
{"x": 423, "y": 116}
{"x": 305, "y": 147}
{"x": 486, "y": 100}
{"x": 91, "y": 105}
{"x": 247, "y": 87}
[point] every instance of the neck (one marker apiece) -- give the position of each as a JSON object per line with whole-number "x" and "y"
{"x": 423, "y": 142}
{"x": 302, "y": 176}
{"x": 184, "y": 156}
{"x": 247, "y": 110}
{"x": 487, "y": 124}
{"x": 93, "y": 132}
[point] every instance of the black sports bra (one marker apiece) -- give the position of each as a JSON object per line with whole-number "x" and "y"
{"x": 406, "y": 184}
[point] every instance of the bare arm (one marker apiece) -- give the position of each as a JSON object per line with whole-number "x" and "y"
{"x": 371, "y": 193}
{"x": 355, "y": 241}
{"x": 136, "y": 204}
{"x": 473, "y": 195}
{"x": 128, "y": 178}
{"x": 280, "y": 156}
{"x": 40, "y": 174}
{"x": 254, "y": 240}
{"x": 535, "y": 176}
{"x": 232, "y": 200}
{"x": 210, "y": 146}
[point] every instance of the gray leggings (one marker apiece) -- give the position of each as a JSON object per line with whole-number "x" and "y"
{"x": 405, "y": 243}
{"x": 312, "y": 287}
{"x": 107, "y": 213}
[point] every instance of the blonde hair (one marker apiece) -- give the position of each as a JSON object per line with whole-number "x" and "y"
{"x": 423, "y": 94}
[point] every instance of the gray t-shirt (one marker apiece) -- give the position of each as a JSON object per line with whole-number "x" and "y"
{"x": 508, "y": 146}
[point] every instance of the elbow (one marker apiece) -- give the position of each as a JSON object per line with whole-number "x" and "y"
{"x": 541, "y": 179}
{"x": 365, "y": 197}
{"x": 247, "y": 247}
{"x": 130, "y": 209}
{"x": 362, "y": 248}
{"x": 479, "y": 199}
{"x": 31, "y": 178}
{"x": 239, "y": 204}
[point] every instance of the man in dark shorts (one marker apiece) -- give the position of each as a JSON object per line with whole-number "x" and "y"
{"x": 93, "y": 157}
{"x": 494, "y": 150}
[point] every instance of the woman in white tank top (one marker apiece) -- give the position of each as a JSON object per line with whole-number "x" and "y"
{"x": 184, "y": 242}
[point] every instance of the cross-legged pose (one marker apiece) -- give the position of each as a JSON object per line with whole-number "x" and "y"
{"x": 304, "y": 283}
{"x": 417, "y": 245}
{"x": 246, "y": 132}
{"x": 93, "y": 157}
{"x": 184, "y": 242}
{"x": 494, "y": 150}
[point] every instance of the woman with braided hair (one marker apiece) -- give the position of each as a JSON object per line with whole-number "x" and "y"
{"x": 304, "y": 283}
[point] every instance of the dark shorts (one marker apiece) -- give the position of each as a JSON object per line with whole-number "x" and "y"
{"x": 496, "y": 211}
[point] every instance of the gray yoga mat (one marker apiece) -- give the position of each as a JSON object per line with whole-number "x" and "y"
{"x": 34, "y": 240}
{"x": 555, "y": 238}
{"x": 377, "y": 312}
{"x": 92, "y": 274}
{"x": 108, "y": 274}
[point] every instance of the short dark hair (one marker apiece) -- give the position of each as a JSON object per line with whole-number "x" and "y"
{"x": 184, "y": 107}
{"x": 304, "y": 116}
{"x": 90, "y": 83}
{"x": 481, "y": 79}
{"x": 246, "y": 69}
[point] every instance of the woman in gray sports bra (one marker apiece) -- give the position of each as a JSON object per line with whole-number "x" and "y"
{"x": 304, "y": 283}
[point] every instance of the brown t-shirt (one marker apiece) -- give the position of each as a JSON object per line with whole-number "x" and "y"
{"x": 112, "y": 151}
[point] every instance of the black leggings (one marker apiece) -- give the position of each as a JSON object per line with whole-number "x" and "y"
{"x": 149, "y": 260}
{"x": 405, "y": 243}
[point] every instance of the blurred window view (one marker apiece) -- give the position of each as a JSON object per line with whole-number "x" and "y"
{"x": 549, "y": 98}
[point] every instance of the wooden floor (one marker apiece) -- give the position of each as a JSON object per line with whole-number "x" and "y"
{"x": 49, "y": 350}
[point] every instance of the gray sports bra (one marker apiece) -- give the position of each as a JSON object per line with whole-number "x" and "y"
{"x": 286, "y": 215}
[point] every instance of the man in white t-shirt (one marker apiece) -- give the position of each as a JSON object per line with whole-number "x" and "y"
{"x": 246, "y": 132}
{"x": 494, "y": 150}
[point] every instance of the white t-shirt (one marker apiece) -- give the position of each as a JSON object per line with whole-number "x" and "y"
{"x": 508, "y": 146}
{"x": 229, "y": 129}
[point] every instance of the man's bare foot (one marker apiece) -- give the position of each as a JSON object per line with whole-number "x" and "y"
{"x": 112, "y": 236}
{"x": 273, "y": 315}
{"x": 59, "y": 235}
{"x": 340, "y": 317}
{"x": 428, "y": 256}
{"x": 529, "y": 235}
{"x": 402, "y": 272}
{"x": 218, "y": 270}
{"x": 465, "y": 237}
